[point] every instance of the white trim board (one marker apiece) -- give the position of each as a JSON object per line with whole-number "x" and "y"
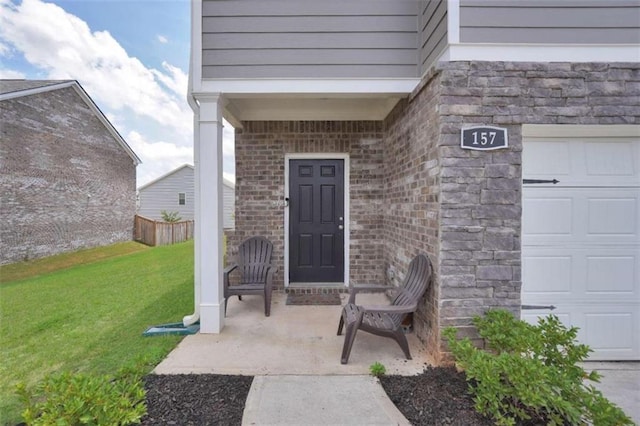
{"x": 347, "y": 174}
{"x": 521, "y": 52}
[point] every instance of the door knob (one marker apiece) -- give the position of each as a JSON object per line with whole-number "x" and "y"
{"x": 340, "y": 227}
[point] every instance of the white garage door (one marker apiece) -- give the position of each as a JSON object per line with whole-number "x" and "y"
{"x": 580, "y": 239}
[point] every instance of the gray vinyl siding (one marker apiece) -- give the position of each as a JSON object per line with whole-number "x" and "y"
{"x": 433, "y": 31}
{"x": 548, "y": 21}
{"x": 162, "y": 194}
{"x": 309, "y": 39}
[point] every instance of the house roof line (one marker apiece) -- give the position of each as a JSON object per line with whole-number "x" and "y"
{"x": 225, "y": 181}
{"x": 56, "y": 85}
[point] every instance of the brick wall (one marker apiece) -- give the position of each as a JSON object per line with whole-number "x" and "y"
{"x": 412, "y": 194}
{"x": 65, "y": 182}
{"x": 260, "y": 151}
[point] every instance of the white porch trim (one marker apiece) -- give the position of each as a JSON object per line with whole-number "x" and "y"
{"x": 318, "y": 156}
{"x": 524, "y": 52}
{"x": 208, "y": 212}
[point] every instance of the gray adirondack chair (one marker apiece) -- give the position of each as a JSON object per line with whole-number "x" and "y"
{"x": 256, "y": 272}
{"x": 385, "y": 321}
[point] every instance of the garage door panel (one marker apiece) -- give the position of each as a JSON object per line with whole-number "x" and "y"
{"x": 549, "y": 160}
{"x": 614, "y": 275}
{"x": 599, "y": 326}
{"x": 612, "y": 216}
{"x": 548, "y": 274}
{"x": 552, "y": 216}
{"x": 609, "y": 159}
{"x": 611, "y": 331}
{"x": 575, "y": 273}
{"x": 580, "y": 215}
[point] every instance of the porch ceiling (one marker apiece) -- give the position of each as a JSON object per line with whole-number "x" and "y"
{"x": 282, "y": 107}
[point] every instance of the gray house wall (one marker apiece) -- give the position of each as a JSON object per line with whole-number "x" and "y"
{"x": 65, "y": 182}
{"x": 289, "y": 39}
{"x": 389, "y": 38}
{"x": 549, "y": 21}
{"x": 162, "y": 194}
{"x": 433, "y": 31}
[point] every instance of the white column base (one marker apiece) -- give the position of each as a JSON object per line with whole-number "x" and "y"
{"x": 211, "y": 318}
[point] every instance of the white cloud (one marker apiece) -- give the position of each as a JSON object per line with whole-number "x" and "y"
{"x": 162, "y": 39}
{"x": 157, "y": 158}
{"x": 11, "y": 74}
{"x": 175, "y": 79}
{"x": 64, "y": 46}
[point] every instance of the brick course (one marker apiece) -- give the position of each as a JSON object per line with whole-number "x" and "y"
{"x": 65, "y": 183}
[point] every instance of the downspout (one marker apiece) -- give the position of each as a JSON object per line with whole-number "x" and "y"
{"x": 193, "y": 103}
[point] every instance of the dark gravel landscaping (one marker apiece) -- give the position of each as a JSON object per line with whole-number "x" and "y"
{"x": 438, "y": 396}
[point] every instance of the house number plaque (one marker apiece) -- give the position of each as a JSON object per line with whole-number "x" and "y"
{"x": 484, "y": 138}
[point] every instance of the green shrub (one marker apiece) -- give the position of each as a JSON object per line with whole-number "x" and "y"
{"x": 377, "y": 369}
{"x": 531, "y": 372}
{"x": 85, "y": 399}
{"x": 171, "y": 217}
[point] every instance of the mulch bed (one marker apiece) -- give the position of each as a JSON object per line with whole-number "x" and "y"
{"x": 313, "y": 299}
{"x": 438, "y": 396}
{"x": 195, "y": 399}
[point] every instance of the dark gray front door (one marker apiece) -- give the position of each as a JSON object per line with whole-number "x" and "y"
{"x": 316, "y": 221}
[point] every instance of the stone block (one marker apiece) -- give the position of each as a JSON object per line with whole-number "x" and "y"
{"x": 495, "y": 272}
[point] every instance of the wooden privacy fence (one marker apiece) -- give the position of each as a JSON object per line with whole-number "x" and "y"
{"x": 154, "y": 233}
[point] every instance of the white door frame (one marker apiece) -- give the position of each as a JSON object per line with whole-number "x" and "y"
{"x": 317, "y": 156}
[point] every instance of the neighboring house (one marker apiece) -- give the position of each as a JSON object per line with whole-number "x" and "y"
{"x": 67, "y": 178}
{"x": 348, "y": 120}
{"x": 174, "y": 192}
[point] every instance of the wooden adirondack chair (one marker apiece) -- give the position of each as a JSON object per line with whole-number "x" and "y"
{"x": 386, "y": 321}
{"x": 256, "y": 272}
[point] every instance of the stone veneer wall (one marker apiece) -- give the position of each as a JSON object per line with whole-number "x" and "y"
{"x": 464, "y": 207}
{"x": 260, "y": 152}
{"x": 65, "y": 183}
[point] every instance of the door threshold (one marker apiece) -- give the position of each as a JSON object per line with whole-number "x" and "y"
{"x": 316, "y": 288}
{"x": 318, "y": 284}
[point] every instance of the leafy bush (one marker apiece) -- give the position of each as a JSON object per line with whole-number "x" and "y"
{"x": 170, "y": 217}
{"x": 531, "y": 372}
{"x": 85, "y": 399}
{"x": 377, "y": 369}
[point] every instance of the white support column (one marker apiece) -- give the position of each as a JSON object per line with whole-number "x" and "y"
{"x": 208, "y": 213}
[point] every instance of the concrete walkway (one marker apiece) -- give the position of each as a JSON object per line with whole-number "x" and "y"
{"x": 295, "y": 357}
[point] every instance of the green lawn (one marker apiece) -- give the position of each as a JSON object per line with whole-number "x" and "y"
{"x": 90, "y": 317}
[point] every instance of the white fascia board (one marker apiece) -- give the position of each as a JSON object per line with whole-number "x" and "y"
{"x": 309, "y": 86}
{"x": 542, "y": 52}
{"x": 581, "y": 131}
{"x": 37, "y": 90}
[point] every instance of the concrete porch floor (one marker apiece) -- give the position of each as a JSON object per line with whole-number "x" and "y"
{"x": 294, "y": 340}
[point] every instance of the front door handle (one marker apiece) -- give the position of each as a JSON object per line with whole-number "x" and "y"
{"x": 340, "y": 227}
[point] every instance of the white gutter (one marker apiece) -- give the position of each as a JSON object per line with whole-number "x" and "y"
{"x": 193, "y": 103}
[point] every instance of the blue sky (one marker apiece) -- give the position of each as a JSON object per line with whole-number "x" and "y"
{"x": 132, "y": 58}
